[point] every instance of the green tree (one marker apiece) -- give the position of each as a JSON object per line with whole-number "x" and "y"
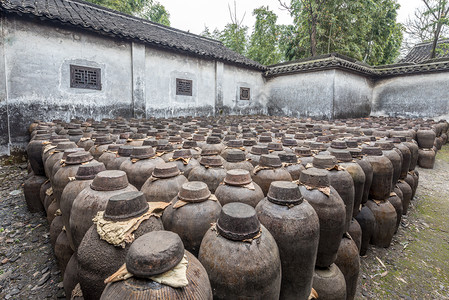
{"x": 437, "y": 10}
{"x": 263, "y": 46}
{"x": 155, "y": 12}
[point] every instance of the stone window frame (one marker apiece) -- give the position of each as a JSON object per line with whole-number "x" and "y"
{"x": 184, "y": 87}
{"x": 245, "y": 93}
{"x": 89, "y": 83}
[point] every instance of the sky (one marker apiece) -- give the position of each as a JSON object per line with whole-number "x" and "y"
{"x": 194, "y": 15}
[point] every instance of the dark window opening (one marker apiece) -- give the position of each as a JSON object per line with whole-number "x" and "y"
{"x": 244, "y": 93}
{"x": 85, "y": 77}
{"x": 183, "y": 87}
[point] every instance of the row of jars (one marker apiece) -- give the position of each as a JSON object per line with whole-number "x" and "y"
{"x": 157, "y": 174}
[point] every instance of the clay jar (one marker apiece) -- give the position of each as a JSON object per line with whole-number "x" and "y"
{"x": 192, "y": 220}
{"x": 382, "y": 173}
{"x": 346, "y": 161}
{"x": 55, "y": 155}
{"x": 93, "y": 199}
{"x": 395, "y": 156}
{"x": 270, "y": 169}
{"x": 426, "y": 158}
{"x": 68, "y": 170}
{"x": 232, "y": 145}
{"x": 236, "y": 159}
{"x": 239, "y": 187}
{"x": 367, "y": 223}
{"x": 99, "y": 259}
{"x": 140, "y": 165}
{"x": 425, "y": 138}
{"x": 385, "y": 216}
{"x": 63, "y": 251}
{"x": 316, "y": 189}
{"x": 101, "y": 145}
{"x": 109, "y": 155}
{"x": 255, "y": 153}
{"x": 396, "y": 201}
{"x": 210, "y": 171}
{"x": 355, "y": 231}
{"x": 164, "y": 183}
{"x": 406, "y": 195}
{"x": 34, "y": 152}
{"x": 152, "y": 254}
{"x": 83, "y": 178}
{"x": 58, "y": 164}
{"x": 241, "y": 256}
{"x": 341, "y": 180}
{"x": 406, "y": 155}
{"x": 295, "y": 226}
{"x": 123, "y": 153}
{"x": 213, "y": 146}
{"x": 413, "y": 147}
{"x": 329, "y": 283}
{"x": 184, "y": 160}
{"x": 305, "y": 155}
{"x": 348, "y": 261}
{"x": 31, "y": 191}
{"x": 367, "y": 169}
{"x": 291, "y": 164}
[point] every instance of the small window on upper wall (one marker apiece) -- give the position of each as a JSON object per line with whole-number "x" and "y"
{"x": 183, "y": 87}
{"x": 85, "y": 77}
{"x": 245, "y": 93}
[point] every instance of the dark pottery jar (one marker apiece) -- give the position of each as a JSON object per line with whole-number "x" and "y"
{"x": 229, "y": 251}
{"x": 164, "y": 183}
{"x": 270, "y": 169}
{"x": 385, "y": 216}
{"x": 355, "y": 231}
{"x": 63, "y": 251}
{"x": 255, "y": 153}
{"x": 239, "y": 187}
{"x": 152, "y": 254}
{"x": 210, "y": 171}
{"x": 291, "y": 164}
{"x": 58, "y": 164}
{"x": 31, "y": 191}
{"x": 425, "y": 138}
{"x": 191, "y": 220}
{"x": 426, "y": 158}
{"x": 406, "y": 195}
{"x": 123, "y": 153}
{"x": 34, "y": 152}
{"x": 396, "y": 201}
{"x": 367, "y": 223}
{"x": 329, "y": 283}
{"x": 381, "y": 185}
{"x": 99, "y": 259}
{"x": 55, "y": 229}
{"x": 184, "y": 160}
{"x": 100, "y": 146}
{"x": 83, "y": 178}
{"x": 95, "y": 198}
{"x": 329, "y": 206}
{"x": 295, "y": 226}
{"x": 109, "y": 155}
{"x": 367, "y": 169}
{"x": 411, "y": 182}
{"x": 70, "y": 278}
{"x": 339, "y": 179}
{"x": 348, "y": 261}
{"x": 55, "y": 155}
{"x": 140, "y": 165}
{"x": 395, "y": 156}
{"x": 413, "y": 147}
{"x": 236, "y": 159}
{"x": 406, "y": 156}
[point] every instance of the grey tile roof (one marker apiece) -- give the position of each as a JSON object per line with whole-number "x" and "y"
{"x": 421, "y": 52}
{"x": 109, "y": 22}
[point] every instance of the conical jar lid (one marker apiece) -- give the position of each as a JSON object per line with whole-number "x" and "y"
{"x": 166, "y": 170}
{"x": 110, "y": 180}
{"x": 372, "y": 151}
{"x": 142, "y": 152}
{"x": 194, "y": 191}
{"x": 324, "y": 161}
{"x": 238, "y": 222}
{"x": 211, "y": 161}
{"x": 235, "y": 155}
{"x": 284, "y": 193}
{"x": 89, "y": 170}
{"x": 288, "y": 158}
{"x": 341, "y": 155}
{"x": 313, "y": 177}
{"x": 126, "y": 206}
{"x": 184, "y": 153}
{"x": 238, "y": 177}
{"x": 271, "y": 161}
{"x": 78, "y": 158}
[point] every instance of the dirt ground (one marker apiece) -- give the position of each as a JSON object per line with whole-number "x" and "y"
{"x": 415, "y": 266}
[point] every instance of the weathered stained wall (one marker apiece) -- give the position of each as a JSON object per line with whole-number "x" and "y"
{"x": 302, "y": 94}
{"x": 424, "y": 95}
{"x": 37, "y": 60}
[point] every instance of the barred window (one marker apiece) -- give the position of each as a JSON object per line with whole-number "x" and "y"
{"x": 85, "y": 77}
{"x": 244, "y": 93}
{"x": 183, "y": 87}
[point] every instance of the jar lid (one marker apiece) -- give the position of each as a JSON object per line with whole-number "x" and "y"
{"x": 102, "y": 140}
{"x": 303, "y": 151}
{"x": 198, "y": 137}
{"x": 352, "y": 143}
{"x": 89, "y": 170}
{"x": 185, "y": 153}
{"x": 259, "y": 150}
{"x": 248, "y": 142}
{"x": 269, "y": 160}
{"x": 126, "y": 206}
{"x": 166, "y": 170}
{"x": 265, "y": 139}
{"x": 189, "y": 144}
{"x": 341, "y": 155}
{"x": 211, "y": 161}
{"x": 284, "y": 193}
{"x": 355, "y": 152}
{"x": 384, "y": 145}
{"x": 238, "y": 177}
{"x": 314, "y": 177}
{"x": 213, "y": 140}
{"x": 164, "y": 147}
{"x": 289, "y": 143}
{"x": 235, "y": 143}
{"x": 69, "y": 151}
{"x": 238, "y": 221}
{"x": 338, "y": 144}
{"x": 142, "y": 152}
{"x": 150, "y": 142}
{"x": 65, "y": 145}
{"x": 194, "y": 191}
{"x": 235, "y": 155}
{"x": 138, "y": 136}
{"x": 78, "y": 158}
{"x": 175, "y": 139}
{"x": 317, "y": 146}
{"x": 372, "y": 151}
{"x": 125, "y": 150}
{"x": 275, "y": 147}
{"x": 113, "y": 147}
{"x": 154, "y": 253}
{"x": 110, "y": 180}
{"x": 288, "y": 158}
{"x": 324, "y": 161}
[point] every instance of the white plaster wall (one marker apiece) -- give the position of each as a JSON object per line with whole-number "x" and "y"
{"x": 37, "y": 69}
{"x": 162, "y": 69}
{"x": 302, "y": 95}
{"x": 352, "y": 95}
{"x": 235, "y": 77}
{"x": 424, "y": 95}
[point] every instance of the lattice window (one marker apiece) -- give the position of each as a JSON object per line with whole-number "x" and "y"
{"x": 183, "y": 87}
{"x": 245, "y": 93}
{"x": 85, "y": 77}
